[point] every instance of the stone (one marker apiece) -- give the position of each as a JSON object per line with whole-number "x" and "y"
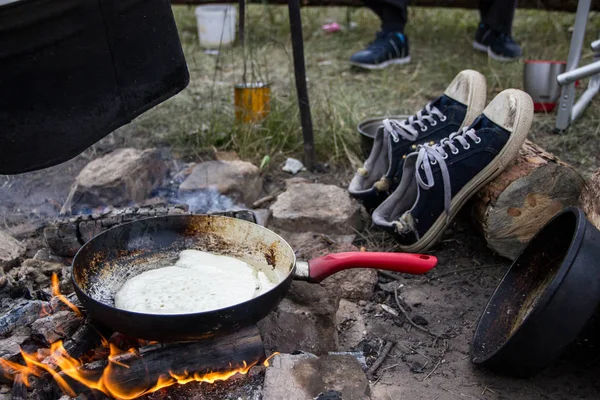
{"x": 413, "y": 297}
{"x": 304, "y": 320}
{"x": 262, "y": 216}
{"x": 351, "y": 325}
{"x": 315, "y": 207}
{"x": 298, "y": 377}
{"x": 354, "y": 284}
{"x": 10, "y": 251}
{"x": 119, "y": 178}
{"x": 239, "y": 180}
{"x": 293, "y": 166}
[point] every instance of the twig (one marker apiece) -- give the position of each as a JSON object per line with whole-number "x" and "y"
{"x": 266, "y": 199}
{"x": 390, "y": 275}
{"x": 384, "y": 353}
{"x": 487, "y": 389}
{"x": 410, "y": 321}
{"x": 438, "y": 362}
{"x": 459, "y": 271}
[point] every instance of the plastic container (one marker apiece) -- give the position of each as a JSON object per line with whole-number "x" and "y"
{"x": 216, "y": 25}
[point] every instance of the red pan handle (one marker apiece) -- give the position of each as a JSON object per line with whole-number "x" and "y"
{"x": 416, "y": 264}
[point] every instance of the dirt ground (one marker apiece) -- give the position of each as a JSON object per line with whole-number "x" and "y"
{"x": 450, "y": 298}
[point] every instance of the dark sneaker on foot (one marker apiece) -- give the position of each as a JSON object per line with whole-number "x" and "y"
{"x": 388, "y": 48}
{"x": 438, "y": 180}
{"x": 499, "y": 46}
{"x": 460, "y": 104}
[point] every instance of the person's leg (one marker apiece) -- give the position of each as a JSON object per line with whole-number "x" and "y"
{"x": 498, "y": 14}
{"x": 493, "y": 35}
{"x": 392, "y": 13}
{"x": 391, "y": 45}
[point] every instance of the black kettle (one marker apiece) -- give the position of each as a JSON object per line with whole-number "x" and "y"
{"x": 72, "y": 71}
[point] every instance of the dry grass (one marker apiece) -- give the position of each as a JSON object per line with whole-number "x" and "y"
{"x": 202, "y": 115}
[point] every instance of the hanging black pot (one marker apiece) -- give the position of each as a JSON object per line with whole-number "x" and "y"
{"x": 544, "y": 301}
{"x": 72, "y": 71}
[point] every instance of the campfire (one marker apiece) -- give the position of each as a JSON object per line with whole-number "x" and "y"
{"x": 126, "y": 368}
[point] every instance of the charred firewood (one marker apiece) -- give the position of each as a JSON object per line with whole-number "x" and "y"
{"x": 56, "y": 327}
{"x": 66, "y": 236}
{"x": 141, "y": 370}
{"x": 21, "y": 314}
{"x": 19, "y": 390}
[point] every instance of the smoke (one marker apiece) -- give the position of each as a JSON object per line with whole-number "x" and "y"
{"x": 209, "y": 200}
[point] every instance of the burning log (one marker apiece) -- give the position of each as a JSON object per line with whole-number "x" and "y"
{"x": 66, "y": 236}
{"x": 134, "y": 373}
{"x": 513, "y": 207}
{"x": 56, "y": 327}
{"x": 19, "y": 389}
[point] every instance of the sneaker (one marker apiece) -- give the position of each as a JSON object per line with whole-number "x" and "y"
{"x": 438, "y": 180}
{"x": 460, "y": 104}
{"x": 388, "y": 48}
{"x": 499, "y": 46}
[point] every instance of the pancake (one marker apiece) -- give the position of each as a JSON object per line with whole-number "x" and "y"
{"x": 198, "y": 282}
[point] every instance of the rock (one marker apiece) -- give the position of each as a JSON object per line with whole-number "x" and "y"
{"x": 298, "y": 377}
{"x": 417, "y": 363}
{"x": 413, "y": 297}
{"x": 304, "y": 320}
{"x": 315, "y": 207}
{"x": 420, "y": 320}
{"x": 293, "y": 166}
{"x": 354, "y": 284}
{"x": 239, "y": 180}
{"x": 46, "y": 255}
{"x": 350, "y": 324}
{"x": 262, "y": 216}
{"x": 119, "y": 178}
{"x": 10, "y": 251}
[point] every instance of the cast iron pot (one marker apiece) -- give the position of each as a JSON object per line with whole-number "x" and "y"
{"x": 108, "y": 260}
{"x": 544, "y": 301}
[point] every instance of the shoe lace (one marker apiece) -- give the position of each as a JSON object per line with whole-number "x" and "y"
{"x": 429, "y": 155}
{"x": 407, "y": 128}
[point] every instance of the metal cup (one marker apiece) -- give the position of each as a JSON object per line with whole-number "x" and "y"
{"x": 539, "y": 81}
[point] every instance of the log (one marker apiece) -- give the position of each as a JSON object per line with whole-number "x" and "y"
{"x": 519, "y": 202}
{"x": 555, "y": 5}
{"x": 65, "y": 236}
{"x": 137, "y": 372}
{"x": 590, "y": 199}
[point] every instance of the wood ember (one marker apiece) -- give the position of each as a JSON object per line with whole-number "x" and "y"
{"x": 22, "y": 314}
{"x": 515, "y": 206}
{"x": 57, "y": 326}
{"x": 66, "y": 236}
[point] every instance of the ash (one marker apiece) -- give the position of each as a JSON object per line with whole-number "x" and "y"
{"x": 206, "y": 201}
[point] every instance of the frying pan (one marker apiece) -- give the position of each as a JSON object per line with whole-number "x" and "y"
{"x": 108, "y": 260}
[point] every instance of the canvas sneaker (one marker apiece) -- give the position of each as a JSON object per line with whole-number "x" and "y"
{"x": 388, "y": 48}
{"x": 461, "y": 103}
{"x": 499, "y": 46}
{"x": 438, "y": 180}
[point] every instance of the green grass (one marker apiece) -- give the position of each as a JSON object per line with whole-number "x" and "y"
{"x": 202, "y": 115}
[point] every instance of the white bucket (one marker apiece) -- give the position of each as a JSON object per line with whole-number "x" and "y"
{"x": 216, "y": 25}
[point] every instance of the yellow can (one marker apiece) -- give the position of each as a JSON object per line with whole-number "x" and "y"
{"x": 251, "y": 101}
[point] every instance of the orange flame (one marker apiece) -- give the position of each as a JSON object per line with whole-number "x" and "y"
{"x": 67, "y": 371}
{"x": 56, "y": 292}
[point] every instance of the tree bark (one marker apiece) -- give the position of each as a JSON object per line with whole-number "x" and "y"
{"x": 555, "y": 5}
{"x": 519, "y": 202}
{"x": 590, "y": 199}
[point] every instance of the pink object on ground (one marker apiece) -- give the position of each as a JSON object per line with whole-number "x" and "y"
{"x": 332, "y": 27}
